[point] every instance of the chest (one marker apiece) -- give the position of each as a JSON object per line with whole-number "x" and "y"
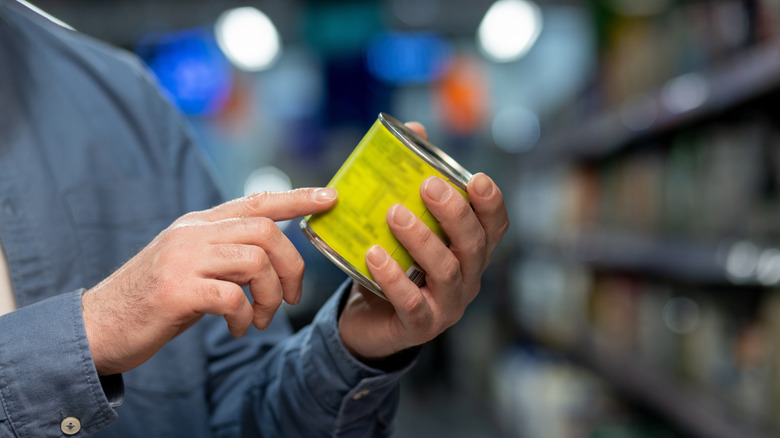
{"x": 82, "y": 184}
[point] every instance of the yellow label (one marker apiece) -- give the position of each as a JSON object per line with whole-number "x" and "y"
{"x": 380, "y": 173}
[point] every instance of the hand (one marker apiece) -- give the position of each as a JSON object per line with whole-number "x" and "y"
{"x": 372, "y": 328}
{"x": 196, "y": 266}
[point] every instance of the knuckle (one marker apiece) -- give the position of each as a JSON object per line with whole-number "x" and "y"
{"x": 480, "y": 243}
{"x": 209, "y": 291}
{"x": 188, "y": 218}
{"x": 233, "y": 299}
{"x": 255, "y": 256}
{"x": 257, "y": 204}
{"x": 253, "y": 204}
{"x": 426, "y": 238}
{"x": 503, "y": 228}
{"x": 172, "y": 233}
{"x": 413, "y": 303}
{"x": 168, "y": 271}
{"x": 179, "y": 234}
{"x": 264, "y": 226}
{"x": 298, "y": 195}
{"x": 393, "y": 282}
{"x": 229, "y": 252}
{"x": 268, "y": 304}
{"x": 462, "y": 211}
{"x": 450, "y": 269}
{"x": 298, "y": 267}
{"x": 277, "y": 301}
{"x": 414, "y": 307}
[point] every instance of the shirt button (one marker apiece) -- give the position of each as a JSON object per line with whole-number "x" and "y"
{"x": 70, "y": 426}
{"x": 360, "y": 394}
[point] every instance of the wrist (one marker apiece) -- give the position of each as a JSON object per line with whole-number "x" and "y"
{"x": 361, "y": 345}
{"x": 91, "y": 327}
{"x": 99, "y": 335}
{"x": 393, "y": 362}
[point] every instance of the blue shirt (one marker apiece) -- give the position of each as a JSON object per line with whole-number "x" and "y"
{"x": 93, "y": 164}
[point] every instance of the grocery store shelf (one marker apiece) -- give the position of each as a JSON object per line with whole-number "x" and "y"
{"x": 694, "y": 413}
{"x": 747, "y": 77}
{"x": 727, "y": 262}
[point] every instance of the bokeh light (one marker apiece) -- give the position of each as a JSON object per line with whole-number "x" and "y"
{"x": 742, "y": 261}
{"x": 248, "y": 38}
{"x": 685, "y": 93}
{"x": 681, "y": 315}
{"x": 515, "y": 129}
{"x": 509, "y": 29}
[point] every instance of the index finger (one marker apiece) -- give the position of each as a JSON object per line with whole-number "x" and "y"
{"x": 277, "y": 206}
{"x": 269, "y": 254}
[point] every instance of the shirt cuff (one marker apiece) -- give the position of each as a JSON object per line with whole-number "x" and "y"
{"x": 114, "y": 389}
{"x": 46, "y": 371}
{"x": 366, "y": 387}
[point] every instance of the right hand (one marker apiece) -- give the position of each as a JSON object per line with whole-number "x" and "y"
{"x": 198, "y": 266}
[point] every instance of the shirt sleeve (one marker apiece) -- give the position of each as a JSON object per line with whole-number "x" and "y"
{"x": 47, "y": 374}
{"x": 309, "y": 386}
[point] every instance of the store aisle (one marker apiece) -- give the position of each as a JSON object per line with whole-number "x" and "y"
{"x": 439, "y": 411}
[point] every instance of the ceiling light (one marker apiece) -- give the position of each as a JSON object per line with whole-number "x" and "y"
{"x": 509, "y": 29}
{"x": 248, "y": 38}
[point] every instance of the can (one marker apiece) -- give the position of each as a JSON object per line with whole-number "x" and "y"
{"x": 387, "y": 167}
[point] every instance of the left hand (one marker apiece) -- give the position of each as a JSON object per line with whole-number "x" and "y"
{"x": 372, "y": 328}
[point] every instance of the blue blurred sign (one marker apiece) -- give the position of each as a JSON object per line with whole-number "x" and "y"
{"x": 401, "y": 58}
{"x": 191, "y": 67}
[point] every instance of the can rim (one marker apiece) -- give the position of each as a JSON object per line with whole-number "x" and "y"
{"x": 431, "y": 154}
{"x": 338, "y": 260}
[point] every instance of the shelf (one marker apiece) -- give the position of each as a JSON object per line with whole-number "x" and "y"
{"x": 720, "y": 263}
{"x": 693, "y": 412}
{"x": 748, "y": 76}
{"x": 690, "y": 101}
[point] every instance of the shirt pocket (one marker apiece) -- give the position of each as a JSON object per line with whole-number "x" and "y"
{"x": 115, "y": 221}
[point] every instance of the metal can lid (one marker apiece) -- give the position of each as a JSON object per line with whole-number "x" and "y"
{"x": 431, "y": 154}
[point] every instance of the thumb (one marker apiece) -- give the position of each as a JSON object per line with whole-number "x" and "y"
{"x": 277, "y": 206}
{"x": 418, "y": 128}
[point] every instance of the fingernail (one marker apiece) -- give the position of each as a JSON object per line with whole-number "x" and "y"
{"x": 263, "y": 322}
{"x": 437, "y": 189}
{"x": 325, "y": 194}
{"x": 483, "y": 186}
{"x": 236, "y": 332}
{"x": 377, "y": 256}
{"x": 401, "y": 216}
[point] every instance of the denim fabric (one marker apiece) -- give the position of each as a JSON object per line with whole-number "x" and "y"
{"x": 93, "y": 164}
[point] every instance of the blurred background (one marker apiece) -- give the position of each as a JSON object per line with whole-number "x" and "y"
{"x": 636, "y": 143}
